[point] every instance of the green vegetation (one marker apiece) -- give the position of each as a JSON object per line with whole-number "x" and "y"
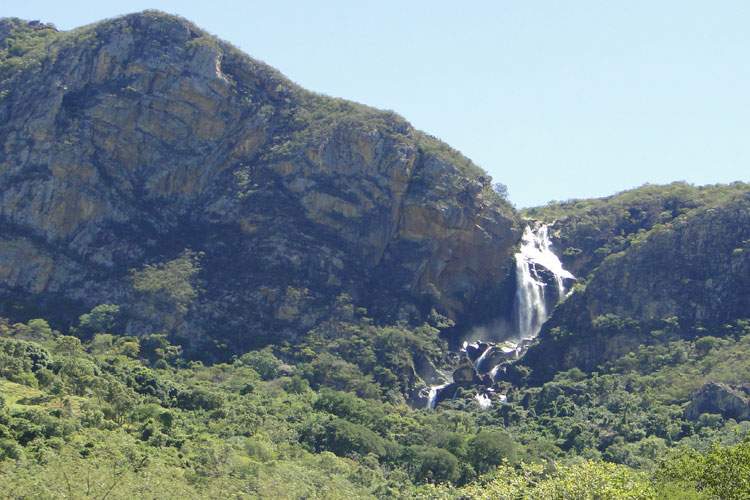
{"x": 94, "y": 412}
{"x": 131, "y": 416}
{"x": 25, "y": 49}
{"x": 169, "y": 286}
{"x": 587, "y": 481}
{"x": 671, "y": 201}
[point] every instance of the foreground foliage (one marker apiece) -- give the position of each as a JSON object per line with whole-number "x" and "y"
{"x": 127, "y": 417}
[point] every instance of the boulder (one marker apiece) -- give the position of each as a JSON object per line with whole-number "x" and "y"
{"x": 465, "y": 373}
{"x": 722, "y": 399}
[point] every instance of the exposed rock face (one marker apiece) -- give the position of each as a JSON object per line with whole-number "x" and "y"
{"x": 715, "y": 398}
{"x": 698, "y": 269}
{"x": 129, "y": 141}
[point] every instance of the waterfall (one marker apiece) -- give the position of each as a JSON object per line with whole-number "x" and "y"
{"x": 432, "y": 398}
{"x": 483, "y": 400}
{"x": 530, "y": 305}
{"x": 537, "y": 269}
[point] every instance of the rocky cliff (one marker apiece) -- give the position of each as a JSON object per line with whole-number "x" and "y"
{"x": 147, "y": 164}
{"x": 666, "y": 262}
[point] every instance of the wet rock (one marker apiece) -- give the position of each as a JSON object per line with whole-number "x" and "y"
{"x": 465, "y": 373}
{"x": 420, "y": 397}
{"x": 474, "y": 350}
{"x": 426, "y": 370}
{"x": 494, "y": 357}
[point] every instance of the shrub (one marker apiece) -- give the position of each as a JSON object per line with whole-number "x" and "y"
{"x": 262, "y": 361}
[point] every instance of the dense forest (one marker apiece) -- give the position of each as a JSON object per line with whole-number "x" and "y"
{"x": 215, "y": 284}
{"x": 117, "y": 416}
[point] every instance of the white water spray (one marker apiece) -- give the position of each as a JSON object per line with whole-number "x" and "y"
{"x": 483, "y": 400}
{"x": 530, "y": 306}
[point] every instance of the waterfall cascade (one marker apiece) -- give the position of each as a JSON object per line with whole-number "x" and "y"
{"x": 540, "y": 285}
{"x": 483, "y": 400}
{"x": 432, "y": 398}
{"x": 534, "y": 260}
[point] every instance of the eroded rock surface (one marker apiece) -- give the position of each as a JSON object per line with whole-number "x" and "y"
{"x": 126, "y": 142}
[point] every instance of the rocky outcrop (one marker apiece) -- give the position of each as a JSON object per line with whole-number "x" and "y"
{"x": 465, "y": 373}
{"x": 715, "y": 398}
{"x": 484, "y": 356}
{"x": 124, "y": 143}
{"x": 697, "y": 269}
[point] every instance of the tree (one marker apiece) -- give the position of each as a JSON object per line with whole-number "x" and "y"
{"x": 170, "y": 283}
{"x": 262, "y": 361}
{"x": 488, "y": 449}
{"x": 501, "y": 190}
{"x": 433, "y": 465}
{"x": 101, "y": 343}
{"x": 101, "y": 319}
{"x": 120, "y": 401}
{"x": 345, "y": 438}
{"x": 66, "y": 345}
{"x": 724, "y": 472}
{"x": 199, "y": 398}
{"x": 36, "y": 330}
{"x": 590, "y": 480}
{"x": 155, "y": 347}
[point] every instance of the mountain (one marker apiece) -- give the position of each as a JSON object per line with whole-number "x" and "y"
{"x": 216, "y": 284}
{"x": 147, "y": 164}
{"x": 151, "y": 166}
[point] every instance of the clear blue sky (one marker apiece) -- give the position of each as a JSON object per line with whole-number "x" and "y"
{"x": 555, "y": 99}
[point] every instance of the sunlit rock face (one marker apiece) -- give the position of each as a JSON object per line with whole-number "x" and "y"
{"x": 134, "y": 139}
{"x": 715, "y": 398}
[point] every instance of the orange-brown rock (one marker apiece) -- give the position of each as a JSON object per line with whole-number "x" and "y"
{"x": 126, "y": 142}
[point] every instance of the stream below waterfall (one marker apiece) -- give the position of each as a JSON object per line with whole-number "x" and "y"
{"x": 541, "y": 283}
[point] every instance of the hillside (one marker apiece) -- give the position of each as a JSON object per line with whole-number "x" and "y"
{"x": 144, "y": 146}
{"x": 655, "y": 264}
